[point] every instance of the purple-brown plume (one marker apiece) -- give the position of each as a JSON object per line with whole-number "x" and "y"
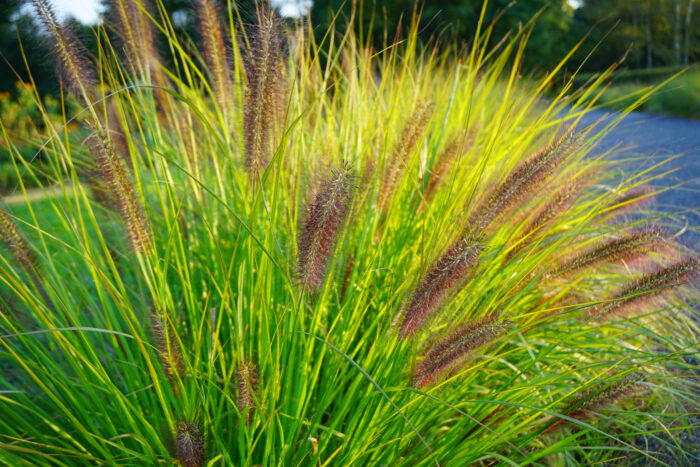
{"x": 604, "y": 394}
{"x": 325, "y": 217}
{"x": 265, "y": 70}
{"x": 189, "y": 444}
{"x": 247, "y": 379}
{"x": 625, "y": 248}
{"x": 114, "y": 176}
{"x": 215, "y": 50}
{"x": 448, "y": 353}
{"x": 521, "y": 182}
{"x": 647, "y": 287}
{"x": 14, "y": 241}
{"x": 73, "y": 69}
{"x": 410, "y": 135}
{"x": 449, "y": 271}
{"x": 168, "y": 348}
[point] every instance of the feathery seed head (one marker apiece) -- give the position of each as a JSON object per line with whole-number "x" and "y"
{"x": 648, "y": 286}
{"x": 76, "y": 74}
{"x": 448, "y": 353}
{"x": 116, "y": 181}
{"x": 521, "y": 182}
{"x": 601, "y": 395}
{"x": 189, "y": 444}
{"x": 447, "y": 273}
{"x": 168, "y": 347}
{"x": 325, "y": 217}
{"x": 247, "y": 378}
{"x": 215, "y": 50}
{"x": 627, "y": 247}
{"x": 266, "y": 89}
{"x": 136, "y": 34}
{"x": 14, "y": 241}
{"x": 410, "y": 136}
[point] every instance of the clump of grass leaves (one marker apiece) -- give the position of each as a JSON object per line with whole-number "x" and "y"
{"x": 284, "y": 252}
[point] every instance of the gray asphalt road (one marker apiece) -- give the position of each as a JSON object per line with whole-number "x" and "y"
{"x": 657, "y": 138}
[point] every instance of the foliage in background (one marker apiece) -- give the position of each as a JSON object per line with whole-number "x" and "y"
{"x": 403, "y": 257}
{"x": 679, "y": 98}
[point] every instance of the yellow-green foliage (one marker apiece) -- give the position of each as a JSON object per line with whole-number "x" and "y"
{"x": 254, "y": 317}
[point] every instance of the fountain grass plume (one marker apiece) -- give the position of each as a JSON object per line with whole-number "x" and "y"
{"x": 215, "y": 50}
{"x": 74, "y": 72}
{"x": 325, "y": 217}
{"x": 412, "y": 131}
{"x": 647, "y": 287}
{"x": 116, "y": 180}
{"x": 562, "y": 200}
{"x": 521, "y": 182}
{"x": 247, "y": 379}
{"x": 189, "y": 444}
{"x": 628, "y": 247}
{"x": 587, "y": 402}
{"x": 168, "y": 349}
{"x": 265, "y": 70}
{"x": 447, "y": 273}
{"x": 448, "y": 353}
{"x": 15, "y": 242}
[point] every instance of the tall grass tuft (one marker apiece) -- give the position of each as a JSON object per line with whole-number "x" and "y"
{"x": 193, "y": 284}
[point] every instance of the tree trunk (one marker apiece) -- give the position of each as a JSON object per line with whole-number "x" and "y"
{"x": 647, "y": 35}
{"x": 688, "y": 14}
{"x": 677, "y": 31}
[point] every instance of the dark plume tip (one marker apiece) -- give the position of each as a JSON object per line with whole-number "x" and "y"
{"x": 447, "y": 354}
{"x": 446, "y": 274}
{"x": 326, "y": 215}
{"x": 189, "y": 444}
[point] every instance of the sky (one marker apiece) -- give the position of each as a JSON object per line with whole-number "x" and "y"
{"x": 88, "y": 11}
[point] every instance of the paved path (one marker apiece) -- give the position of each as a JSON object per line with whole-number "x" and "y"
{"x": 658, "y": 138}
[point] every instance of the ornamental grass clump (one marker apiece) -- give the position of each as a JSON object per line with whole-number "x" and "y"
{"x": 284, "y": 251}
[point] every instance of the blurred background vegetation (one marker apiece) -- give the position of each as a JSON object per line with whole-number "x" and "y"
{"x": 653, "y": 39}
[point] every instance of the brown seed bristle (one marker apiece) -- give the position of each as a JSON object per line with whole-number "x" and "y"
{"x": 520, "y": 183}
{"x": 625, "y": 248}
{"x": 189, "y": 444}
{"x": 444, "y": 162}
{"x": 325, "y": 217}
{"x": 215, "y": 50}
{"x": 113, "y": 174}
{"x": 410, "y": 136}
{"x": 448, "y": 353}
{"x": 247, "y": 378}
{"x": 73, "y": 69}
{"x": 168, "y": 348}
{"x": 560, "y": 202}
{"x": 604, "y": 394}
{"x": 443, "y": 276}
{"x": 14, "y": 241}
{"x": 648, "y": 287}
{"x": 266, "y": 87}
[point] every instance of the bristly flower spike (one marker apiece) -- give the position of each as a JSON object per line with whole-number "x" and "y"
{"x": 247, "y": 378}
{"x": 520, "y": 183}
{"x": 215, "y": 50}
{"x": 325, "y": 217}
{"x": 601, "y": 395}
{"x": 410, "y": 135}
{"x": 14, "y": 241}
{"x": 648, "y": 287}
{"x": 189, "y": 444}
{"x": 445, "y": 274}
{"x": 626, "y": 248}
{"x": 266, "y": 88}
{"x": 449, "y": 353}
{"x": 74, "y": 72}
